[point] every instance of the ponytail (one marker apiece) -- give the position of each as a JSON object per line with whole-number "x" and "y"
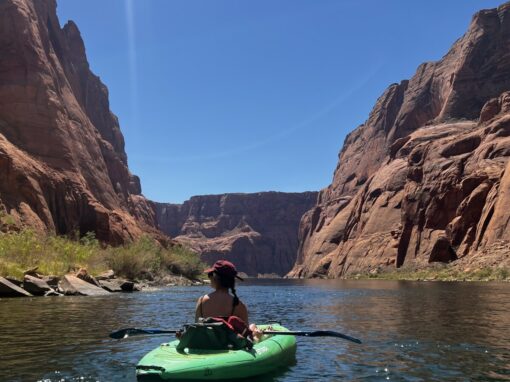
{"x": 236, "y": 299}
{"x": 229, "y": 283}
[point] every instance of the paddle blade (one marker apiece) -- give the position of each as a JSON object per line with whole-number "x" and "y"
{"x": 128, "y": 332}
{"x": 330, "y": 333}
{"x": 122, "y": 333}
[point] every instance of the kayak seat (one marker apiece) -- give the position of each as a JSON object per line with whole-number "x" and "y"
{"x": 212, "y": 334}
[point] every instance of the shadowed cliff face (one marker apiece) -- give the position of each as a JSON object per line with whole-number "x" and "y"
{"x": 62, "y": 161}
{"x": 435, "y": 185}
{"x": 258, "y": 232}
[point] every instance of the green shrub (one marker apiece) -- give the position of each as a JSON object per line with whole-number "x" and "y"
{"x": 135, "y": 258}
{"x": 6, "y": 219}
{"x": 181, "y": 260}
{"x": 58, "y": 255}
{"x": 51, "y": 254}
{"x": 442, "y": 272}
{"x": 502, "y": 274}
{"x": 481, "y": 274}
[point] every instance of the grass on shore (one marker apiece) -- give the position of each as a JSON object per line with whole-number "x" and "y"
{"x": 57, "y": 255}
{"x": 441, "y": 273}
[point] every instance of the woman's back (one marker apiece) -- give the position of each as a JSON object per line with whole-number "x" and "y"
{"x": 220, "y": 304}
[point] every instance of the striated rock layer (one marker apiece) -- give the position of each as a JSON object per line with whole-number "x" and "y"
{"x": 63, "y": 167}
{"x": 435, "y": 186}
{"x": 258, "y": 232}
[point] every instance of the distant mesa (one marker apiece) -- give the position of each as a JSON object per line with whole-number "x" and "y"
{"x": 258, "y": 231}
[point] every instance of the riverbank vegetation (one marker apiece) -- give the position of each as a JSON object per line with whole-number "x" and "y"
{"x": 58, "y": 255}
{"x": 441, "y": 272}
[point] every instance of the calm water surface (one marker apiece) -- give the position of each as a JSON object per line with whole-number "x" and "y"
{"x": 411, "y": 331}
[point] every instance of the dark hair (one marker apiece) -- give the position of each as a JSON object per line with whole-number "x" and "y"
{"x": 229, "y": 283}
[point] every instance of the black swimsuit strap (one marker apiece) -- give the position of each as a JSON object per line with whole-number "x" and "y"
{"x": 201, "y": 309}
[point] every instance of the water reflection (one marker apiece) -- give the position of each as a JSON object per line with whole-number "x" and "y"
{"x": 411, "y": 331}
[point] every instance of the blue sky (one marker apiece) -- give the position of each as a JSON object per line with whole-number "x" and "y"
{"x": 217, "y": 96}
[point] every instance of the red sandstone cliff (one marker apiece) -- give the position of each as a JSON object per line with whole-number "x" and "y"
{"x": 435, "y": 186}
{"x": 62, "y": 162}
{"x": 258, "y": 232}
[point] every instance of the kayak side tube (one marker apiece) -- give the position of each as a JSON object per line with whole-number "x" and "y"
{"x": 166, "y": 363}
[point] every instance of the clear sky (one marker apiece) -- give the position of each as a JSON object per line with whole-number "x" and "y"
{"x": 218, "y": 96}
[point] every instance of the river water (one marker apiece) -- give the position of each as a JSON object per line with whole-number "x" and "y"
{"x": 411, "y": 331}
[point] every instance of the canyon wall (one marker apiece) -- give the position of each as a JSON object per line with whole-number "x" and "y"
{"x": 435, "y": 185}
{"x": 257, "y": 232}
{"x": 63, "y": 167}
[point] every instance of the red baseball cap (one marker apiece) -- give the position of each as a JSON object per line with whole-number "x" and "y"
{"x": 224, "y": 268}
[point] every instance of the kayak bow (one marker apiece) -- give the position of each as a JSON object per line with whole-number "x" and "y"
{"x": 166, "y": 363}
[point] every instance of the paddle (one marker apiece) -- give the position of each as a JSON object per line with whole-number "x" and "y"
{"x": 317, "y": 333}
{"x": 124, "y": 333}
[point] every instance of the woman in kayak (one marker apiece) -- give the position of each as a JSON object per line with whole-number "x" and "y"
{"x": 221, "y": 303}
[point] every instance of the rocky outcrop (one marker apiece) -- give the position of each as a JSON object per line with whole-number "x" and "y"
{"x": 72, "y": 285}
{"x": 82, "y": 283}
{"x": 9, "y": 289}
{"x": 62, "y": 161}
{"x": 36, "y": 286}
{"x": 435, "y": 185}
{"x": 111, "y": 285}
{"x": 258, "y": 232}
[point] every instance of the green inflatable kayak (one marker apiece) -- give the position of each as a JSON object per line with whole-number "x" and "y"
{"x": 167, "y": 364}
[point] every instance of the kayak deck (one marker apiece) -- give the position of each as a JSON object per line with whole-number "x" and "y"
{"x": 166, "y": 363}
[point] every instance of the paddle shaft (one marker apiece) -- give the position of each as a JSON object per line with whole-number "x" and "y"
{"x": 317, "y": 333}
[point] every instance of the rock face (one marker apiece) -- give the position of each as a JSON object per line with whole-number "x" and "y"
{"x": 435, "y": 186}
{"x": 63, "y": 166}
{"x": 258, "y": 232}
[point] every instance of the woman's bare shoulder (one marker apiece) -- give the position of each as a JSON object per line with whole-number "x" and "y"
{"x": 203, "y": 299}
{"x": 241, "y": 307}
{"x": 241, "y": 311}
